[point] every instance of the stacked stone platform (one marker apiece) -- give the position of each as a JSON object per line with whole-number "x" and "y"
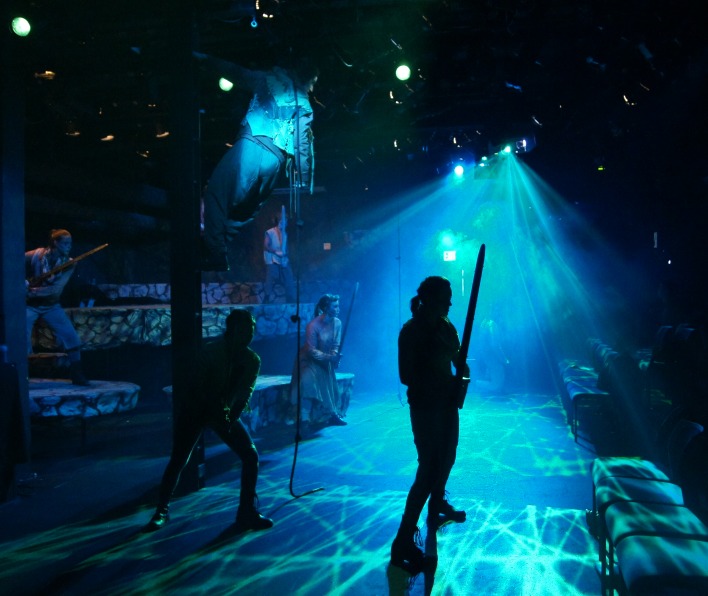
{"x": 271, "y": 402}
{"x": 114, "y": 326}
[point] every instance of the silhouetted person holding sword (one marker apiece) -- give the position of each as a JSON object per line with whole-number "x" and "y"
{"x": 428, "y": 345}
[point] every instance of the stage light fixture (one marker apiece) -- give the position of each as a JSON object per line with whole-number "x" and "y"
{"x": 225, "y": 84}
{"x": 403, "y": 72}
{"x": 459, "y": 170}
{"x": 20, "y": 26}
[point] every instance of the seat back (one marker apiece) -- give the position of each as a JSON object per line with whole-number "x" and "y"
{"x": 680, "y": 438}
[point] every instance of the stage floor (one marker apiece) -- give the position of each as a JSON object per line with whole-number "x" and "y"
{"x": 75, "y": 528}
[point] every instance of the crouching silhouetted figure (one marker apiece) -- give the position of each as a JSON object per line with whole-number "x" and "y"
{"x": 228, "y": 369}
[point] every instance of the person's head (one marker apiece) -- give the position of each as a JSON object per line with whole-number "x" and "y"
{"x": 434, "y": 297}
{"x": 328, "y": 305}
{"x": 240, "y": 328}
{"x": 304, "y": 73}
{"x": 60, "y": 241}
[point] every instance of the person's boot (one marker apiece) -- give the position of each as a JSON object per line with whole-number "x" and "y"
{"x": 446, "y": 510}
{"x": 249, "y": 518}
{"x": 405, "y": 552}
{"x": 442, "y": 513}
{"x": 158, "y": 520}
{"x": 77, "y": 374}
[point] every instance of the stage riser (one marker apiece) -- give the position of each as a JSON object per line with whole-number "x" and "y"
{"x": 111, "y": 327}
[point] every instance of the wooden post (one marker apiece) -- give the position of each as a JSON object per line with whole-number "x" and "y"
{"x": 14, "y": 442}
{"x": 184, "y": 194}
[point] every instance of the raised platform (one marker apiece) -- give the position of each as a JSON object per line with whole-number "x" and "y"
{"x": 59, "y": 398}
{"x": 271, "y": 404}
{"x": 111, "y": 327}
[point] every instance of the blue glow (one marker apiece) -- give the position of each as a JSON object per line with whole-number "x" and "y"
{"x": 447, "y": 239}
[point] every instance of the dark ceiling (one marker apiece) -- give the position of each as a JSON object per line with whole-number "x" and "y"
{"x": 590, "y": 80}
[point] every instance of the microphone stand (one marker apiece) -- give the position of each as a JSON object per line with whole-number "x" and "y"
{"x": 295, "y": 209}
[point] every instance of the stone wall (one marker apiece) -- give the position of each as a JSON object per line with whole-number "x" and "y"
{"x": 110, "y": 327}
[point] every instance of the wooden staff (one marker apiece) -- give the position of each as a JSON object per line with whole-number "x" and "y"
{"x": 35, "y": 281}
{"x": 349, "y": 316}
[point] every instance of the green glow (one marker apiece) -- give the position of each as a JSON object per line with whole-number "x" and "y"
{"x": 21, "y": 26}
{"x": 403, "y": 72}
{"x": 225, "y": 84}
{"x": 519, "y": 538}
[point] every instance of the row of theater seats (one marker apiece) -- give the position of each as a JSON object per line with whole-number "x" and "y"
{"x": 650, "y": 518}
{"x": 609, "y": 379}
{"x": 678, "y": 368}
{"x": 636, "y": 387}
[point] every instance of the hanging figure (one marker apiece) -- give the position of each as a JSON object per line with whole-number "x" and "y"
{"x": 277, "y": 128}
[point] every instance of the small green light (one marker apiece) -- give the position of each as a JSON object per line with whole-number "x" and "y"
{"x": 225, "y": 84}
{"x": 21, "y": 26}
{"x": 403, "y": 72}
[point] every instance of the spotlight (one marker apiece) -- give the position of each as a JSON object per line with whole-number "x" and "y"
{"x": 526, "y": 144}
{"x": 459, "y": 170}
{"x": 20, "y": 26}
{"x": 225, "y": 84}
{"x": 403, "y": 72}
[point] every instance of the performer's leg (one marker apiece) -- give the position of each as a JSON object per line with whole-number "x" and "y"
{"x": 404, "y": 551}
{"x": 334, "y": 398}
{"x": 238, "y": 439}
{"x": 217, "y": 204}
{"x": 32, "y": 314}
{"x": 449, "y": 433}
{"x": 257, "y": 172}
{"x": 270, "y": 279}
{"x": 185, "y": 434}
{"x": 67, "y": 337}
{"x": 289, "y": 283}
{"x": 64, "y": 331}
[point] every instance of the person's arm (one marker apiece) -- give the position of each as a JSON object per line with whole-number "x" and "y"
{"x": 268, "y": 242}
{"x": 406, "y": 358}
{"x": 244, "y": 385}
{"x": 312, "y": 342}
{"x": 53, "y": 286}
